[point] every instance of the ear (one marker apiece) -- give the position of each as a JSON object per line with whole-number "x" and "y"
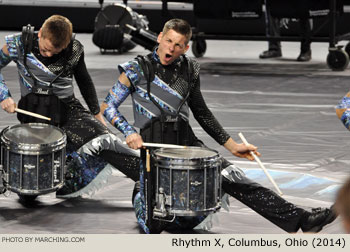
{"x": 39, "y": 33}
{"x": 187, "y": 47}
{"x": 160, "y": 36}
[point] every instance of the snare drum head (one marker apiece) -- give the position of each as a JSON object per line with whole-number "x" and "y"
{"x": 186, "y": 153}
{"x": 33, "y": 133}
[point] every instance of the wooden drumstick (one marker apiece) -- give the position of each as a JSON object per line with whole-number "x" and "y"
{"x": 148, "y": 161}
{"x": 160, "y": 145}
{"x": 32, "y": 114}
{"x": 257, "y": 159}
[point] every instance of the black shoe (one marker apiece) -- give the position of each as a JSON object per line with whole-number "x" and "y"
{"x": 304, "y": 56}
{"x": 270, "y": 54}
{"x": 317, "y": 219}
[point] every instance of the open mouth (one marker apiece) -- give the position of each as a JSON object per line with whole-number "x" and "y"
{"x": 168, "y": 56}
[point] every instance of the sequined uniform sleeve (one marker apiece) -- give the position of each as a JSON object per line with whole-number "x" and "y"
{"x": 343, "y": 110}
{"x": 132, "y": 70}
{"x": 115, "y": 97}
{"x": 86, "y": 86}
{"x": 203, "y": 115}
{"x": 4, "y": 91}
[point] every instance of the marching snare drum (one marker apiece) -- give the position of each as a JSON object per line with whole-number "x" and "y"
{"x": 33, "y": 158}
{"x": 188, "y": 181}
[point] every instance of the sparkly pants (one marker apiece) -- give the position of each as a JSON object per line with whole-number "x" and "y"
{"x": 260, "y": 199}
{"x": 90, "y": 147}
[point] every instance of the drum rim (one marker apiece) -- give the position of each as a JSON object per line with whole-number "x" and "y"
{"x": 178, "y": 212}
{"x": 215, "y": 152}
{"x": 35, "y": 191}
{"x": 24, "y": 148}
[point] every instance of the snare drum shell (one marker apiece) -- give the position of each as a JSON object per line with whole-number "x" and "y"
{"x": 33, "y": 169}
{"x": 192, "y": 184}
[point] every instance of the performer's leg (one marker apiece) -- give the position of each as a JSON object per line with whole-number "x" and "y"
{"x": 270, "y": 205}
{"x": 305, "y": 26}
{"x": 272, "y": 28}
{"x": 90, "y": 147}
{"x": 267, "y": 203}
{"x": 127, "y": 164}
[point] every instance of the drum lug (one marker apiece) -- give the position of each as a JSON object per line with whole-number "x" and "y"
{"x": 56, "y": 166}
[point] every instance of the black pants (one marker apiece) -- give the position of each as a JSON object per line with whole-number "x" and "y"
{"x": 262, "y": 200}
{"x": 273, "y": 30}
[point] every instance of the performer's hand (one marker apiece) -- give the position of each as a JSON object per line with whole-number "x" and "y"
{"x": 134, "y": 141}
{"x": 8, "y": 105}
{"x": 241, "y": 150}
{"x": 100, "y": 118}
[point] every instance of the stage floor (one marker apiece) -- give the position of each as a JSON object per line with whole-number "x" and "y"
{"x": 284, "y": 107}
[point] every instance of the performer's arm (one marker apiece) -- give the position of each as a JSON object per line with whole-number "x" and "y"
{"x": 87, "y": 88}
{"x": 343, "y": 110}
{"x": 209, "y": 123}
{"x": 6, "y": 102}
{"x": 110, "y": 109}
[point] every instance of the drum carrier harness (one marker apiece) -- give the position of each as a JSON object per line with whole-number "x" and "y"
{"x": 168, "y": 128}
{"x": 41, "y": 100}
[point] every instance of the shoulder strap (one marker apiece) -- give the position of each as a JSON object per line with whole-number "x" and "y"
{"x": 147, "y": 67}
{"x": 148, "y": 71}
{"x": 190, "y": 69}
{"x": 27, "y": 38}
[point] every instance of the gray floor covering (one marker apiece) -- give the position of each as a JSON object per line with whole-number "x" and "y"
{"x": 284, "y": 107}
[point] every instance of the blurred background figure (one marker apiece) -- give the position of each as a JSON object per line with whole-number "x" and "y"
{"x": 342, "y": 205}
{"x": 273, "y": 26}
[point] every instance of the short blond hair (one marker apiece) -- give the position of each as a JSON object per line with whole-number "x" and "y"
{"x": 58, "y": 30}
{"x": 180, "y": 26}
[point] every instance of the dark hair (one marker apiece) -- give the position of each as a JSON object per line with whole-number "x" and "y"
{"x": 180, "y": 26}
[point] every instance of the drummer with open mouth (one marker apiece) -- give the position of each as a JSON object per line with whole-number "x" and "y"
{"x": 164, "y": 86}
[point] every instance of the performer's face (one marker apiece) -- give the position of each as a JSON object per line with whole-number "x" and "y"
{"x": 46, "y": 48}
{"x": 171, "y": 46}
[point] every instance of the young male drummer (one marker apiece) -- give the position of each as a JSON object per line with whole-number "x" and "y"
{"x": 46, "y": 62}
{"x": 161, "y": 111}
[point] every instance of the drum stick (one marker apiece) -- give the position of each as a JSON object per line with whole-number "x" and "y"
{"x": 257, "y": 159}
{"x": 160, "y": 145}
{"x": 32, "y": 114}
{"x": 148, "y": 161}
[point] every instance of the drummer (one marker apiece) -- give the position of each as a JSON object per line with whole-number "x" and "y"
{"x": 164, "y": 85}
{"x": 46, "y": 61}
